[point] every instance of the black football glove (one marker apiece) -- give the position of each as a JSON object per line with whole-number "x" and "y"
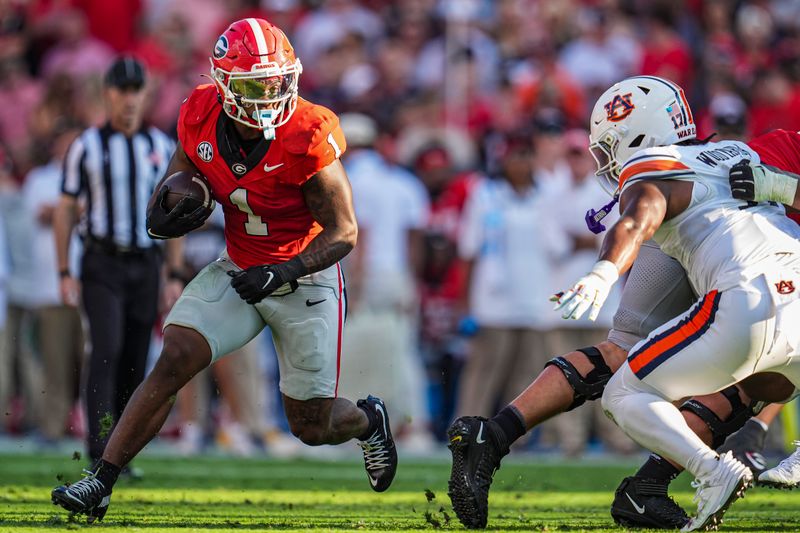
{"x": 743, "y": 185}
{"x": 257, "y": 282}
{"x": 163, "y": 224}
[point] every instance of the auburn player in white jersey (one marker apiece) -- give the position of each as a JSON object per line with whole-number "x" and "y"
{"x": 744, "y": 259}
{"x": 656, "y": 290}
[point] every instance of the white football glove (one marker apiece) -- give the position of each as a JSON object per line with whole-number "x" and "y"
{"x": 590, "y": 291}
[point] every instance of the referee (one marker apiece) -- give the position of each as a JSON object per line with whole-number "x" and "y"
{"x": 109, "y": 175}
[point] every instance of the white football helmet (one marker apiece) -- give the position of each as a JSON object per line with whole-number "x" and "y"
{"x": 634, "y": 114}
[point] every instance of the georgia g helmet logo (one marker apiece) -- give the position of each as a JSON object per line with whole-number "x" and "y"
{"x": 619, "y": 107}
{"x": 221, "y": 47}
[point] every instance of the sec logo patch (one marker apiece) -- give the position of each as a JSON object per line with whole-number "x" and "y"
{"x": 205, "y": 151}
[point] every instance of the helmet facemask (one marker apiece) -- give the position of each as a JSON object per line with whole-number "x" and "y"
{"x": 268, "y": 92}
{"x": 604, "y": 152}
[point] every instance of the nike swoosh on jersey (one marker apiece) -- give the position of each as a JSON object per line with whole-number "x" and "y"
{"x": 639, "y": 510}
{"x": 268, "y": 168}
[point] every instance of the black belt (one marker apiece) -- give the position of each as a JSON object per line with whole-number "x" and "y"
{"x": 113, "y": 249}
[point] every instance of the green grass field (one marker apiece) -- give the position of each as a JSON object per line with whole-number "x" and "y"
{"x": 218, "y": 494}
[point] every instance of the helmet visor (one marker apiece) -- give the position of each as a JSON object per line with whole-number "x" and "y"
{"x": 262, "y": 89}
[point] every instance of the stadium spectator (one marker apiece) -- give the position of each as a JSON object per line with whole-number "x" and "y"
{"x": 775, "y": 103}
{"x": 509, "y": 241}
{"x": 550, "y": 168}
{"x": 443, "y": 280}
{"x": 324, "y": 28}
{"x": 20, "y": 397}
{"x": 664, "y": 53}
{"x": 4, "y": 268}
{"x": 19, "y": 87}
{"x": 601, "y": 54}
{"x": 549, "y": 85}
{"x": 76, "y": 52}
{"x": 115, "y": 23}
{"x": 392, "y": 208}
{"x": 59, "y": 340}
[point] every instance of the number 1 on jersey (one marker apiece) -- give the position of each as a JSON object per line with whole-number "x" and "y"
{"x": 254, "y": 225}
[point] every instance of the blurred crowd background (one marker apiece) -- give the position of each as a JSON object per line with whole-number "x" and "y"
{"x": 467, "y": 151}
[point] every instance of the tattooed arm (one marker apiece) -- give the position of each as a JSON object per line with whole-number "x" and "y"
{"x": 330, "y": 201}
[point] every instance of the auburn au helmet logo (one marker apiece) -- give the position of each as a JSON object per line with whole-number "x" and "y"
{"x": 619, "y": 108}
{"x": 785, "y": 287}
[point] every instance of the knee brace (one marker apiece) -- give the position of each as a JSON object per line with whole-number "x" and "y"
{"x": 720, "y": 429}
{"x": 589, "y": 387}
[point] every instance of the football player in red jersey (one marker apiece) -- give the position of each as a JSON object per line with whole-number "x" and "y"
{"x": 272, "y": 161}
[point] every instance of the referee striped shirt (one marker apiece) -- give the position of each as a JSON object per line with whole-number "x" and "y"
{"x": 115, "y": 176}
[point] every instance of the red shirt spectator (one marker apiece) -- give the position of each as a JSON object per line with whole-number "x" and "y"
{"x": 665, "y": 54}
{"x": 776, "y": 104}
{"x": 113, "y": 22}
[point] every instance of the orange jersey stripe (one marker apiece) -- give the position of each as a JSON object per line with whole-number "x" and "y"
{"x": 654, "y": 165}
{"x": 699, "y": 319}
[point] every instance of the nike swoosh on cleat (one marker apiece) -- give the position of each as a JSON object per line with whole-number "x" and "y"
{"x": 639, "y": 510}
{"x": 756, "y": 459}
{"x": 269, "y": 279}
{"x": 379, "y": 407}
{"x": 479, "y": 438}
{"x": 373, "y": 481}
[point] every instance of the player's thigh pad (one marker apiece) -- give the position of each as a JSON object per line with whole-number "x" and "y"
{"x": 714, "y": 344}
{"x": 656, "y": 291}
{"x": 307, "y": 329}
{"x": 784, "y": 353}
{"x": 210, "y": 306}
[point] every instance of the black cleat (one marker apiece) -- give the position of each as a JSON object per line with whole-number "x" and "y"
{"x": 88, "y": 496}
{"x": 747, "y": 445}
{"x": 380, "y": 454}
{"x": 478, "y": 447}
{"x": 644, "y": 503}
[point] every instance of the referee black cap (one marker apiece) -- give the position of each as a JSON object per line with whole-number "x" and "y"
{"x": 126, "y": 73}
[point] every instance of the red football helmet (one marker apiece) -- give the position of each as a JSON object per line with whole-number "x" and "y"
{"x": 256, "y": 72}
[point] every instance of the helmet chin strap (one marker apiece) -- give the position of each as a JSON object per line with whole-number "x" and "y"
{"x": 265, "y": 120}
{"x": 593, "y": 217}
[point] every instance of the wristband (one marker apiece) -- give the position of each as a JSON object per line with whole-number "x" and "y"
{"x": 606, "y": 270}
{"x": 293, "y": 268}
{"x": 64, "y": 273}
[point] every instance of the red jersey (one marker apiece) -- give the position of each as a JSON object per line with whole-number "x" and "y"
{"x": 779, "y": 149}
{"x": 266, "y": 217}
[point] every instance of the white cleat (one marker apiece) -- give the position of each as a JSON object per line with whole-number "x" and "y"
{"x": 717, "y": 491}
{"x": 786, "y": 475}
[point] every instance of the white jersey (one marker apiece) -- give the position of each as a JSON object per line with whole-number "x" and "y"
{"x": 720, "y": 241}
